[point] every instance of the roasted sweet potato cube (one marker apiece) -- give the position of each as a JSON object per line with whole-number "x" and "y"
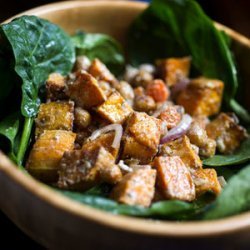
{"x": 206, "y": 180}
{"x": 171, "y": 116}
{"x": 141, "y": 137}
{"x": 85, "y": 91}
{"x": 182, "y": 148}
{"x": 104, "y": 140}
{"x": 174, "y": 179}
{"x": 227, "y": 133}
{"x": 81, "y": 169}
{"x": 202, "y": 97}
{"x": 44, "y": 158}
{"x": 108, "y": 171}
{"x": 115, "y": 109}
{"x": 99, "y": 70}
{"x": 55, "y": 87}
{"x": 173, "y": 69}
{"x": 55, "y": 116}
{"x": 136, "y": 188}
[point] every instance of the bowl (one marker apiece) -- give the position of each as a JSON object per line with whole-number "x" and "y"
{"x": 58, "y": 222}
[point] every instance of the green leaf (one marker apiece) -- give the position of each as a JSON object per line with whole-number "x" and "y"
{"x": 9, "y": 128}
{"x": 181, "y": 28}
{"x": 172, "y": 209}
{"x": 241, "y": 155}
{"x": 101, "y": 46}
{"x": 235, "y": 197}
{"x": 39, "y": 48}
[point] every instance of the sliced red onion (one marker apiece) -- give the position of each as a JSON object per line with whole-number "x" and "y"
{"x": 179, "y": 86}
{"x": 113, "y": 127}
{"x": 178, "y": 131}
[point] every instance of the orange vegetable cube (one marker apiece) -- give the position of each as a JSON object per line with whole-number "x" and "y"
{"x": 158, "y": 90}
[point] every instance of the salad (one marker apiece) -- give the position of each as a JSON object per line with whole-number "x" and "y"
{"x": 157, "y": 134}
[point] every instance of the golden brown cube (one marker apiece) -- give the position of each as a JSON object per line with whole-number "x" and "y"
{"x": 55, "y": 116}
{"x": 182, "y": 148}
{"x": 85, "y": 91}
{"x": 173, "y": 70}
{"x": 206, "y": 180}
{"x": 136, "y": 188}
{"x": 115, "y": 109}
{"x": 98, "y": 70}
{"x": 174, "y": 179}
{"x": 104, "y": 140}
{"x": 202, "y": 97}
{"x": 141, "y": 137}
{"x": 55, "y": 87}
{"x": 81, "y": 170}
{"x": 171, "y": 116}
{"x": 44, "y": 158}
{"x": 227, "y": 133}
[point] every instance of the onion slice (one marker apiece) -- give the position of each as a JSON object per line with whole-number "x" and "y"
{"x": 179, "y": 130}
{"x": 222, "y": 181}
{"x": 113, "y": 127}
{"x": 179, "y": 86}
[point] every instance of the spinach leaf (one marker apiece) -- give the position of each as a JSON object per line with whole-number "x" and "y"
{"x": 241, "y": 155}
{"x": 235, "y": 197}
{"x": 171, "y": 209}
{"x": 101, "y": 46}
{"x": 9, "y": 128}
{"x": 38, "y": 48}
{"x": 166, "y": 209}
{"x": 180, "y": 28}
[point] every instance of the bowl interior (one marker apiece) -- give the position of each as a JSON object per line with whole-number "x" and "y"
{"x": 114, "y": 18}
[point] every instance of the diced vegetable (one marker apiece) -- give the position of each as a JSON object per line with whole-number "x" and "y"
{"x": 115, "y": 109}
{"x": 44, "y": 158}
{"x": 136, "y": 188}
{"x": 55, "y": 116}
{"x": 174, "y": 179}
{"x": 158, "y": 90}
{"x": 202, "y": 97}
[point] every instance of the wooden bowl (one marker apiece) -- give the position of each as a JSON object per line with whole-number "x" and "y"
{"x": 58, "y": 222}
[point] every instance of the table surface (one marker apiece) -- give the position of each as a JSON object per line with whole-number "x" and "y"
{"x": 221, "y": 11}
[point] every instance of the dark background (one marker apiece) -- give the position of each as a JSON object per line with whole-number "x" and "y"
{"x": 234, "y": 14}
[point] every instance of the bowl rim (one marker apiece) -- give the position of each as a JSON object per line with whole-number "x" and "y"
{"x": 144, "y": 226}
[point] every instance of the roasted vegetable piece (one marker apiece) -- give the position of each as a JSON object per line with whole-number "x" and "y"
{"x": 44, "y": 158}
{"x": 172, "y": 116}
{"x": 198, "y": 136}
{"x": 174, "y": 179}
{"x": 99, "y": 70}
{"x": 55, "y": 116}
{"x": 227, "y": 133}
{"x": 82, "y": 118}
{"x": 55, "y": 87}
{"x": 82, "y": 63}
{"x": 172, "y": 70}
{"x": 126, "y": 91}
{"x": 104, "y": 140}
{"x": 141, "y": 137}
{"x": 144, "y": 103}
{"x": 182, "y": 148}
{"x": 202, "y": 97}
{"x": 136, "y": 188}
{"x": 81, "y": 170}
{"x": 205, "y": 180}
{"x": 108, "y": 171}
{"x": 115, "y": 109}
{"x": 158, "y": 90}
{"x": 85, "y": 91}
